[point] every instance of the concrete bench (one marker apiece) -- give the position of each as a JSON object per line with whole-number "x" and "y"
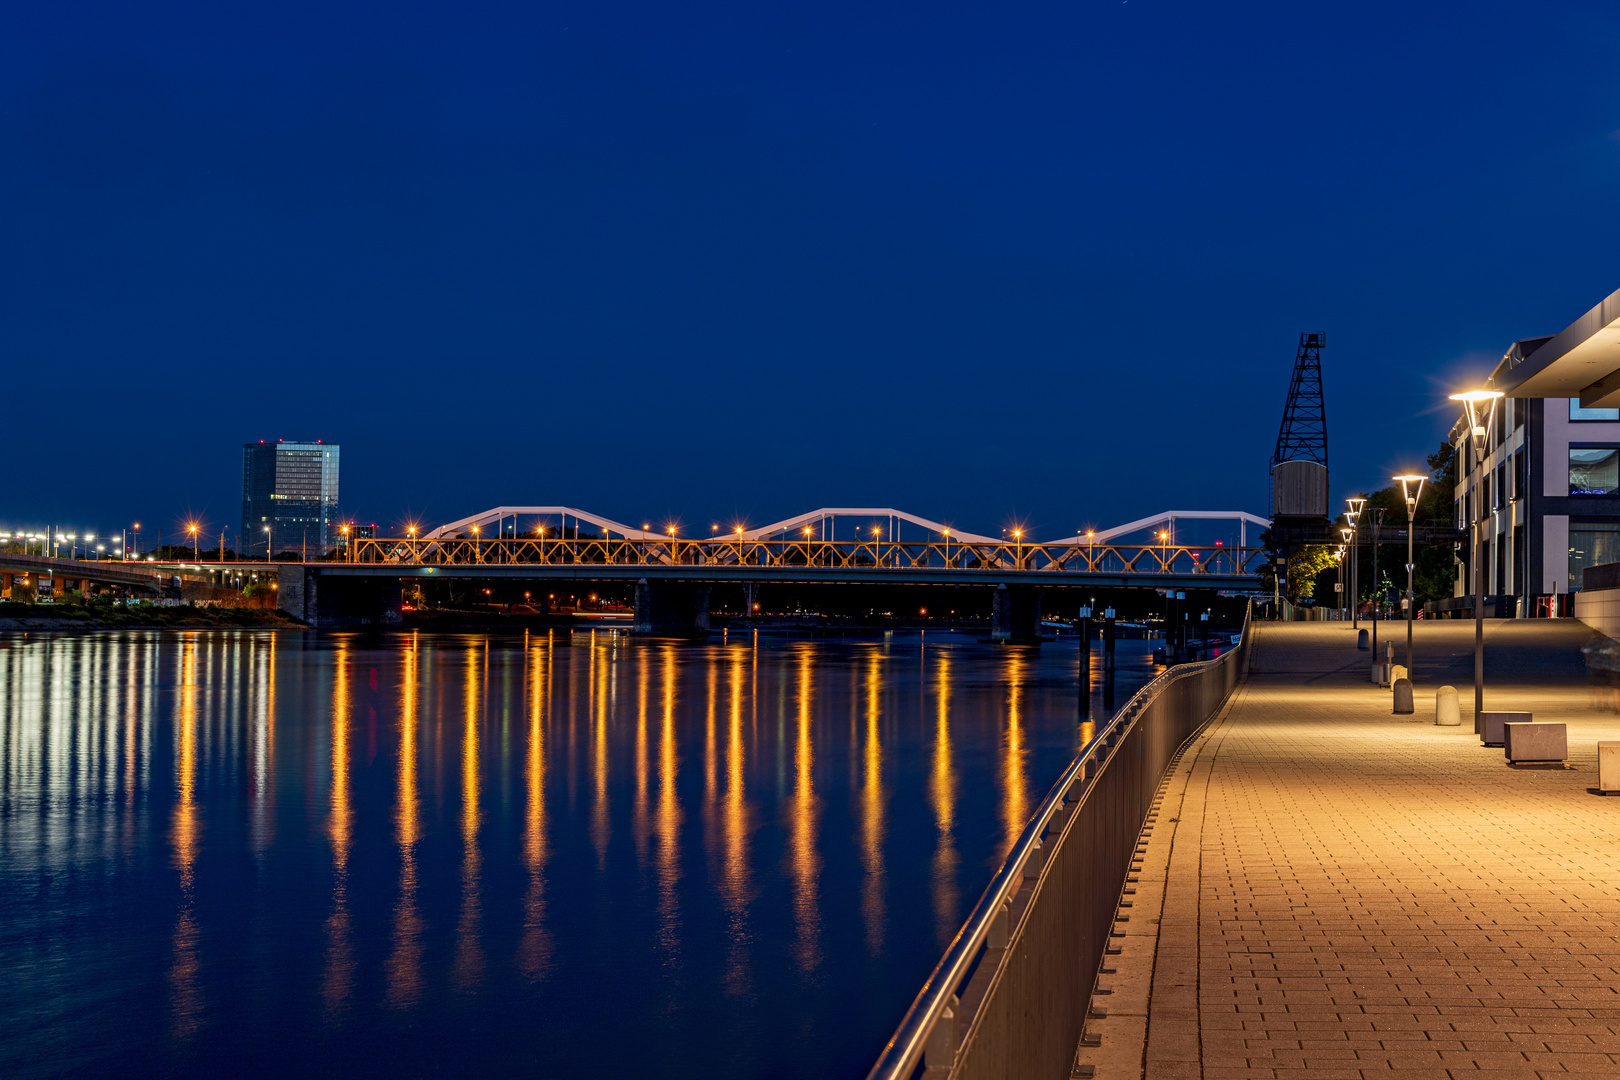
{"x": 1609, "y": 767}
{"x": 1535, "y": 742}
{"x": 1491, "y": 724}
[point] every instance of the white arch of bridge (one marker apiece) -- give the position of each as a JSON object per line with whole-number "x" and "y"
{"x": 497, "y": 515}
{"x": 826, "y": 517}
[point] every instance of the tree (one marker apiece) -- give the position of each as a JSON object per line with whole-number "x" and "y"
{"x": 1300, "y": 569}
{"x": 1435, "y": 564}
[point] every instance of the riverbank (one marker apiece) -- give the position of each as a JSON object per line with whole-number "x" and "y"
{"x": 145, "y": 617}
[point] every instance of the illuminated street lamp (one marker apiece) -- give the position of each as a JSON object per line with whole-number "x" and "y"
{"x": 348, "y": 550}
{"x": 947, "y": 534}
{"x": 1352, "y": 514}
{"x": 1344, "y": 584}
{"x": 1018, "y": 540}
{"x": 191, "y": 527}
{"x": 1478, "y": 402}
{"x": 267, "y": 544}
{"x": 1340, "y": 554}
{"x": 1411, "y": 494}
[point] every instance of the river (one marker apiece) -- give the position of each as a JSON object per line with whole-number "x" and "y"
{"x": 262, "y": 853}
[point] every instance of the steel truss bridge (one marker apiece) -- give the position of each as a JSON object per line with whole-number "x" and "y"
{"x": 807, "y": 548}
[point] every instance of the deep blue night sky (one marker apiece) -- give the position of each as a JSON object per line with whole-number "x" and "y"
{"x": 979, "y": 261}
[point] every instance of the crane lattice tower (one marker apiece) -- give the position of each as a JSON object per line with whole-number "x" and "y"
{"x": 1303, "y": 434}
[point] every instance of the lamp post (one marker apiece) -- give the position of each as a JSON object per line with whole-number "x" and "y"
{"x": 192, "y": 529}
{"x": 268, "y": 545}
{"x": 1348, "y": 563}
{"x": 947, "y": 534}
{"x": 1378, "y": 519}
{"x": 1352, "y": 514}
{"x": 1476, "y": 402}
{"x": 1411, "y": 495}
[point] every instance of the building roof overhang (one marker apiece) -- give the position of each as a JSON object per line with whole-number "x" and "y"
{"x": 1582, "y": 360}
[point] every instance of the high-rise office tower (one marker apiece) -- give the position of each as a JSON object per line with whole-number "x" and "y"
{"x": 289, "y": 497}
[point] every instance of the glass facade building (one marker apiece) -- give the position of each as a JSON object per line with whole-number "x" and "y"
{"x": 289, "y": 498}
{"x": 1550, "y": 486}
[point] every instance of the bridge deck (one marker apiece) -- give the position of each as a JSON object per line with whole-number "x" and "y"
{"x": 1353, "y": 894}
{"x": 107, "y": 571}
{"x": 808, "y": 560}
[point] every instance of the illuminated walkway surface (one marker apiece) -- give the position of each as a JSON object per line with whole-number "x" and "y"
{"x": 1349, "y": 893}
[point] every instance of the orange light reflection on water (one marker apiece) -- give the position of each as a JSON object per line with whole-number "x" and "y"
{"x": 183, "y": 982}
{"x": 803, "y": 825}
{"x": 942, "y": 793}
{"x": 468, "y": 967}
{"x": 403, "y": 969}
{"x": 669, "y": 817}
{"x": 338, "y": 980}
{"x": 1015, "y": 808}
{"x": 534, "y": 942}
{"x": 736, "y": 881}
{"x": 873, "y": 826}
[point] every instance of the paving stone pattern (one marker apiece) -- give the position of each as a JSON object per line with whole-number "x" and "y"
{"x": 1350, "y": 893}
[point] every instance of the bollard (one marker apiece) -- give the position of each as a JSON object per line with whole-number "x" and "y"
{"x": 1403, "y": 696}
{"x": 1446, "y": 713}
{"x": 1398, "y": 672}
{"x": 1361, "y": 640}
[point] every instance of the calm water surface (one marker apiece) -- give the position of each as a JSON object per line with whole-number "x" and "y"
{"x": 408, "y": 855}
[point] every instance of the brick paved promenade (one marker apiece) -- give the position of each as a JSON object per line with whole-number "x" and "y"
{"x": 1349, "y": 893}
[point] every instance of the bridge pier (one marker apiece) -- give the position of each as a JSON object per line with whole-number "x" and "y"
{"x": 671, "y": 608}
{"x": 335, "y": 602}
{"x": 1015, "y": 615}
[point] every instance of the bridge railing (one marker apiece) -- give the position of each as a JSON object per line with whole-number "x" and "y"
{"x": 1213, "y": 559}
{"x": 1011, "y": 994}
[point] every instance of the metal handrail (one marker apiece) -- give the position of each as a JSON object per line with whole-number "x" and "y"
{"x": 904, "y": 1050}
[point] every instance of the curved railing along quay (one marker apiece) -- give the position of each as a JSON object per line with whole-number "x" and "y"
{"x": 1010, "y": 996}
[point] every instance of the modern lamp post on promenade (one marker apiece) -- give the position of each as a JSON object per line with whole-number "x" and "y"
{"x": 1347, "y": 563}
{"x": 1411, "y": 495}
{"x": 1352, "y": 515}
{"x": 1478, "y": 402}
